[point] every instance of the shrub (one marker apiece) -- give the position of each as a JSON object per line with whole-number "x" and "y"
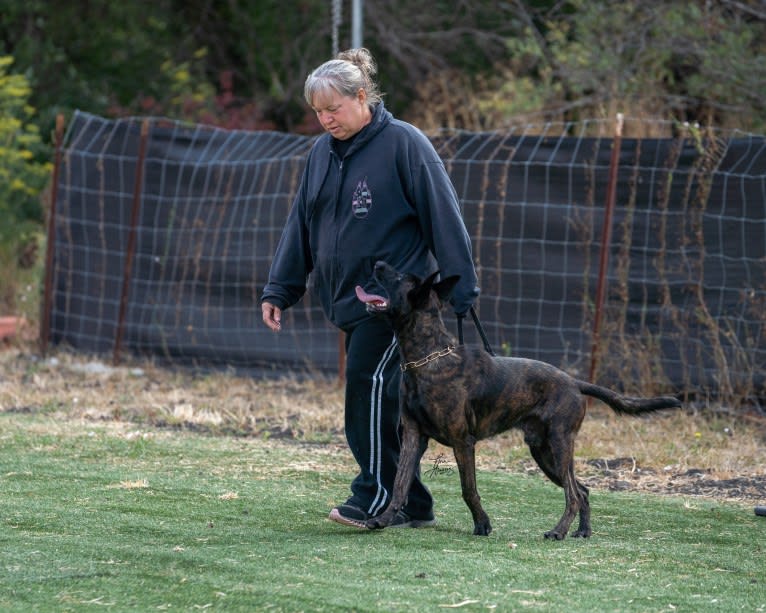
{"x": 24, "y": 171}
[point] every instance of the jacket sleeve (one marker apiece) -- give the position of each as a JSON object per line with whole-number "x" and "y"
{"x": 443, "y": 227}
{"x": 292, "y": 260}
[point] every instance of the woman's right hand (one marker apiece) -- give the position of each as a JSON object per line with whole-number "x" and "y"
{"x": 272, "y": 316}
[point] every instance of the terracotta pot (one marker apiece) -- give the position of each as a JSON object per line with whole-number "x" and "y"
{"x": 9, "y": 326}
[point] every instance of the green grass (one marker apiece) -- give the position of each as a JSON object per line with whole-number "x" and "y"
{"x": 101, "y": 517}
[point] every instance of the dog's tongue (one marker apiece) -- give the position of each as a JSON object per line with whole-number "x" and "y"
{"x": 369, "y": 298}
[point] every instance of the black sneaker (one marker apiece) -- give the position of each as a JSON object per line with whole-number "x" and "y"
{"x": 350, "y": 515}
{"x": 404, "y": 520}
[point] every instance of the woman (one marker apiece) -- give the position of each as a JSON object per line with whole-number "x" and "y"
{"x": 373, "y": 189}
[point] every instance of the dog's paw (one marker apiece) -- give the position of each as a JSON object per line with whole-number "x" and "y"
{"x": 581, "y": 533}
{"x": 552, "y": 535}
{"x": 380, "y": 522}
{"x": 482, "y": 529}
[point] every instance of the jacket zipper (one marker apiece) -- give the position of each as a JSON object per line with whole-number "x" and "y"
{"x": 336, "y": 269}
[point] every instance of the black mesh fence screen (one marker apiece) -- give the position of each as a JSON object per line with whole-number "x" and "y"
{"x": 685, "y": 304}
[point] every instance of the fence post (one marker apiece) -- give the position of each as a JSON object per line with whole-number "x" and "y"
{"x": 606, "y": 239}
{"x": 45, "y": 325}
{"x": 131, "y": 248}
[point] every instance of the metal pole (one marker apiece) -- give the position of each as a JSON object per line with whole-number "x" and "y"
{"x": 137, "y": 185}
{"x": 357, "y": 19}
{"x": 45, "y": 327}
{"x": 336, "y": 18}
{"x": 606, "y": 239}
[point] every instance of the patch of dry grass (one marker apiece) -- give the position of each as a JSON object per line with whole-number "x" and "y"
{"x": 657, "y": 452}
{"x": 76, "y": 387}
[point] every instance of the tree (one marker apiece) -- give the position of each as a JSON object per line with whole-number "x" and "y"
{"x": 693, "y": 61}
{"x": 471, "y": 64}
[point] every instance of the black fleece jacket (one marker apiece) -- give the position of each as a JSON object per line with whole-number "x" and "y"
{"x": 389, "y": 198}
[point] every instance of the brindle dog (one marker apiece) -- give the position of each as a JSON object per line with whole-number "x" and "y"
{"x": 459, "y": 395}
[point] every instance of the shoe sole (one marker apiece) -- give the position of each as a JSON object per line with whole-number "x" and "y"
{"x": 346, "y": 521}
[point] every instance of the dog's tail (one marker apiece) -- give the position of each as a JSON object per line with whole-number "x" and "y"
{"x": 626, "y": 404}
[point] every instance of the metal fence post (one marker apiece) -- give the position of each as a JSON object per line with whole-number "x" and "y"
{"x": 45, "y": 324}
{"x": 131, "y": 248}
{"x": 606, "y": 239}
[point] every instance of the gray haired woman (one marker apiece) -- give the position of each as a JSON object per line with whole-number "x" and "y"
{"x": 373, "y": 188}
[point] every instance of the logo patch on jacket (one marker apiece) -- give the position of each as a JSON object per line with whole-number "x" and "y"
{"x": 361, "y": 201}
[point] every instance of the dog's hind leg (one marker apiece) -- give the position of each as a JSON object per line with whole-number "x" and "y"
{"x": 465, "y": 455}
{"x": 558, "y": 466}
{"x": 584, "y": 529}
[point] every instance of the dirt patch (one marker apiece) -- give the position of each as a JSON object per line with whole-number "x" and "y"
{"x": 621, "y": 474}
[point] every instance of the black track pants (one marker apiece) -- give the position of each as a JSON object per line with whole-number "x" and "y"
{"x": 372, "y": 419}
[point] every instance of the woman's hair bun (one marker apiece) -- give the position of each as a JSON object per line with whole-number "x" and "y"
{"x": 362, "y": 58}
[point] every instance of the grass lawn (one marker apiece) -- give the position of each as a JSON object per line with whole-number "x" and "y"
{"x": 104, "y": 516}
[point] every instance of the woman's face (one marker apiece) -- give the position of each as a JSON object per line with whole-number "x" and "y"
{"x": 342, "y": 116}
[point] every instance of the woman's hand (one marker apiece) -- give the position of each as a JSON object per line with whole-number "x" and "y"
{"x": 272, "y": 316}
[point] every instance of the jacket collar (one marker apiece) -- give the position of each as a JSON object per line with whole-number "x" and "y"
{"x": 381, "y": 117}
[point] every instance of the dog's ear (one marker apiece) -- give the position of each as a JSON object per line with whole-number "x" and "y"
{"x": 419, "y": 295}
{"x": 444, "y": 287}
{"x": 429, "y": 280}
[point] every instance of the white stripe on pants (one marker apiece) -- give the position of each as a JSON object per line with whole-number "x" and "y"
{"x": 376, "y": 405}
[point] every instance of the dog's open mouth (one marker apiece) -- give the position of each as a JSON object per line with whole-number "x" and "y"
{"x": 373, "y": 301}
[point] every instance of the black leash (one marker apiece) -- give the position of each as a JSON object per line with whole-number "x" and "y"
{"x": 476, "y": 321}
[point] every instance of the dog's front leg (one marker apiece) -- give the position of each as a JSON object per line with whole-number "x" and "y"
{"x": 465, "y": 455}
{"x": 412, "y": 449}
